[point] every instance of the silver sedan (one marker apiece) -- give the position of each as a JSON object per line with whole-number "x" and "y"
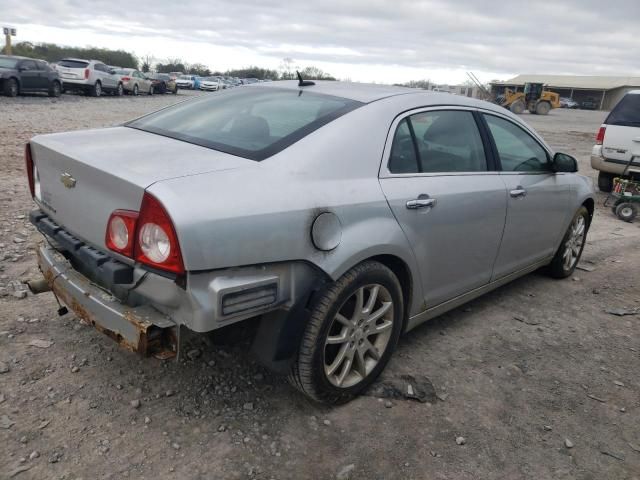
{"x": 332, "y": 217}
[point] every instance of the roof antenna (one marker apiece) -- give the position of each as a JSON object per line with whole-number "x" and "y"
{"x": 304, "y": 83}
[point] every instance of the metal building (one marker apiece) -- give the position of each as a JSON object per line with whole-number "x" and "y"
{"x": 602, "y": 92}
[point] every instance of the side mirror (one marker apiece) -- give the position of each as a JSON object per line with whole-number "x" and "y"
{"x": 564, "y": 163}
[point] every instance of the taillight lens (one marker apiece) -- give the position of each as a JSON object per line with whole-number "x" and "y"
{"x": 600, "y": 135}
{"x": 121, "y": 232}
{"x": 86, "y": 73}
{"x": 30, "y": 167}
{"x": 125, "y": 79}
{"x": 157, "y": 243}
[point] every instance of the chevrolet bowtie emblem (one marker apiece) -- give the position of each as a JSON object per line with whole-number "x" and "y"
{"x": 67, "y": 180}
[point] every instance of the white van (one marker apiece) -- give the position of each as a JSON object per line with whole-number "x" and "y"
{"x": 618, "y": 142}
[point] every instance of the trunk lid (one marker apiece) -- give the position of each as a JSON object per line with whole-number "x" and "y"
{"x": 86, "y": 175}
{"x": 622, "y": 136}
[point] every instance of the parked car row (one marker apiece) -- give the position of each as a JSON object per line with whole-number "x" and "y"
{"x": 27, "y": 75}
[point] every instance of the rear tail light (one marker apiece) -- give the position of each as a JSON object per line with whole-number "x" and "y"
{"x": 148, "y": 237}
{"x": 125, "y": 79}
{"x": 86, "y": 73}
{"x": 600, "y": 135}
{"x": 28, "y": 160}
{"x": 157, "y": 243}
{"x": 121, "y": 232}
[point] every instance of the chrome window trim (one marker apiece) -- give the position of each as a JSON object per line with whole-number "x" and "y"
{"x": 384, "y": 171}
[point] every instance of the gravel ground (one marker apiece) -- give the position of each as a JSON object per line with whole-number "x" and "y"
{"x": 533, "y": 381}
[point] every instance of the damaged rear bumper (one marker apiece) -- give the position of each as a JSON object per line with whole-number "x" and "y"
{"x": 141, "y": 329}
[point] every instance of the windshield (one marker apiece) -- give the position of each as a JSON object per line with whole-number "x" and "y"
{"x": 184, "y": 77}
{"x": 253, "y": 123}
{"x": 73, "y": 63}
{"x": 8, "y": 62}
{"x": 627, "y": 112}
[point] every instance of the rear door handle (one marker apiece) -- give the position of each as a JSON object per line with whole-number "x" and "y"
{"x": 421, "y": 203}
{"x": 518, "y": 192}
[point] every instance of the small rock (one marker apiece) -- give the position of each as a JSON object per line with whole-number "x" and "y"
{"x": 248, "y": 406}
{"x": 547, "y": 428}
{"x": 622, "y": 409}
{"x": 135, "y": 403}
{"x": 55, "y": 457}
{"x": 568, "y": 443}
{"x": 193, "y": 354}
{"x": 147, "y": 420}
{"x": 595, "y": 291}
{"x": 461, "y": 440}
{"x": 40, "y": 343}
{"x": 345, "y": 472}
{"x": 33, "y": 455}
{"x": 176, "y": 446}
{"x": 23, "y": 440}
{"x": 258, "y": 377}
{"x": 388, "y": 404}
{"x": 326, "y": 422}
{"x": 75, "y": 369}
{"x": 169, "y": 393}
{"x": 618, "y": 383}
{"x": 211, "y": 363}
{"x": 6, "y": 422}
{"x": 4, "y": 367}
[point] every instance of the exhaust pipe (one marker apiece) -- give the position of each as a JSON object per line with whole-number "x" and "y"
{"x": 38, "y": 286}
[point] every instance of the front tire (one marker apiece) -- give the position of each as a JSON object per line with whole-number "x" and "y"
{"x": 353, "y": 329}
{"x": 517, "y": 107}
{"x": 543, "y": 108}
{"x": 135, "y": 90}
{"x": 11, "y": 87}
{"x": 568, "y": 255}
{"x": 55, "y": 90}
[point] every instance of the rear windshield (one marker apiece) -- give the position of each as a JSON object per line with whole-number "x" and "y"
{"x": 73, "y": 63}
{"x": 626, "y": 113}
{"x": 8, "y": 62}
{"x": 253, "y": 123}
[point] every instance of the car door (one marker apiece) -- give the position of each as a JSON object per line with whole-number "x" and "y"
{"x": 28, "y": 75}
{"x": 538, "y": 199}
{"x": 447, "y": 196}
{"x": 107, "y": 79}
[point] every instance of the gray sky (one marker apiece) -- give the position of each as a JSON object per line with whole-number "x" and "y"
{"x": 363, "y": 40}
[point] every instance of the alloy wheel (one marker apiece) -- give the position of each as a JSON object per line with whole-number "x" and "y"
{"x": 358, "y": 336}
{"x": 573, "y": 245}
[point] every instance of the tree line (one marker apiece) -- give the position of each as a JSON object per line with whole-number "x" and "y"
{"x": 54, "y": 53}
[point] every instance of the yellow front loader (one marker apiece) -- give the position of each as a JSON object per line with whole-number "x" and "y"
{"x": 534, "y": 98}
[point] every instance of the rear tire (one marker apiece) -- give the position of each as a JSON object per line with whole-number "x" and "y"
{"x": 11, "y": 87}
{"x": 344, "y": 347}
{"x": 627, "y": 211}
{"x": 96, "y": 90}
{"x": 605, "y": 182}
{"x": 120, "y": 90}
{"x": 517, "y": 107}
{"x": 543, "y": 108}
{"x": 568, "y": 255}
{"x": 55, "y": 90}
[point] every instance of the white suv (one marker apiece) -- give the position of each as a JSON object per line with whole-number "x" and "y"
{"x": 89, "y": 76}
{"x": 617, "y": 149}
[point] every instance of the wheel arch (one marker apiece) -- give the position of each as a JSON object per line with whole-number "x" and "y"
{"x": 402, "y": 271}
{"x": 590, "y": 205}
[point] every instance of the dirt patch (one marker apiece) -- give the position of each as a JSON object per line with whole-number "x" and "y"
{"x": 508, "y": 396}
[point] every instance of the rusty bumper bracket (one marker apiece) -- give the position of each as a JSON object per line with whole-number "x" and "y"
{"x": 140, "y": 329}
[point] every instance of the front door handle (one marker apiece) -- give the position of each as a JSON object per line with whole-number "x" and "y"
{"x": 518, "y": 192}
{"x": 421, "y": 203}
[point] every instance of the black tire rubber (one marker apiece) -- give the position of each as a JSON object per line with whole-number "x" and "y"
{"x": 307, "y": 372}
{"x": 55, "y": 90}
{"x": 605, "y": 182}
{"x": 11, "y": 87}
{"x": 556, "y": 267}
{"x": 543, "y": 108}
{"x": 517, "y": 107}
{"x": 135, "y": 91}
{"x": 627, "y": 211}
{"x": 95, "y": 90}
{"x": 120, "y": 90}
{"x": 150, "y": 90}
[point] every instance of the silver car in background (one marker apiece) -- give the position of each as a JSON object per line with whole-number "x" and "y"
{"x": 335, "y": 216}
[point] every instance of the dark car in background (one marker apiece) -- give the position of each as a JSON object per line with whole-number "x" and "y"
{"x": 589, "y": 104}
{"x": 20, "y": 75}
{"x": 162, "y": 82}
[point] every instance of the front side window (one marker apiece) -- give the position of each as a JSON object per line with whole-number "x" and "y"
{"x": 438, "y": 141}
{"x": 253, "y": 123}
{"x": 518, "y": 151}
{"x": 28, "y": 65}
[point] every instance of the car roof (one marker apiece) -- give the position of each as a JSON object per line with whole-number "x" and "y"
{"x": 634, "y": 92}
{"x": 369, "y": 92}
{"x": 20, "y": 58}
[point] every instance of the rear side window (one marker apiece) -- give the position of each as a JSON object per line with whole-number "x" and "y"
{"x": 626, "y": 113}
{"x": 253, "y": 123}
{"x": 518, "y": 151}
{"x": 438, "y": 141}
{"x": 73, "y": 64}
